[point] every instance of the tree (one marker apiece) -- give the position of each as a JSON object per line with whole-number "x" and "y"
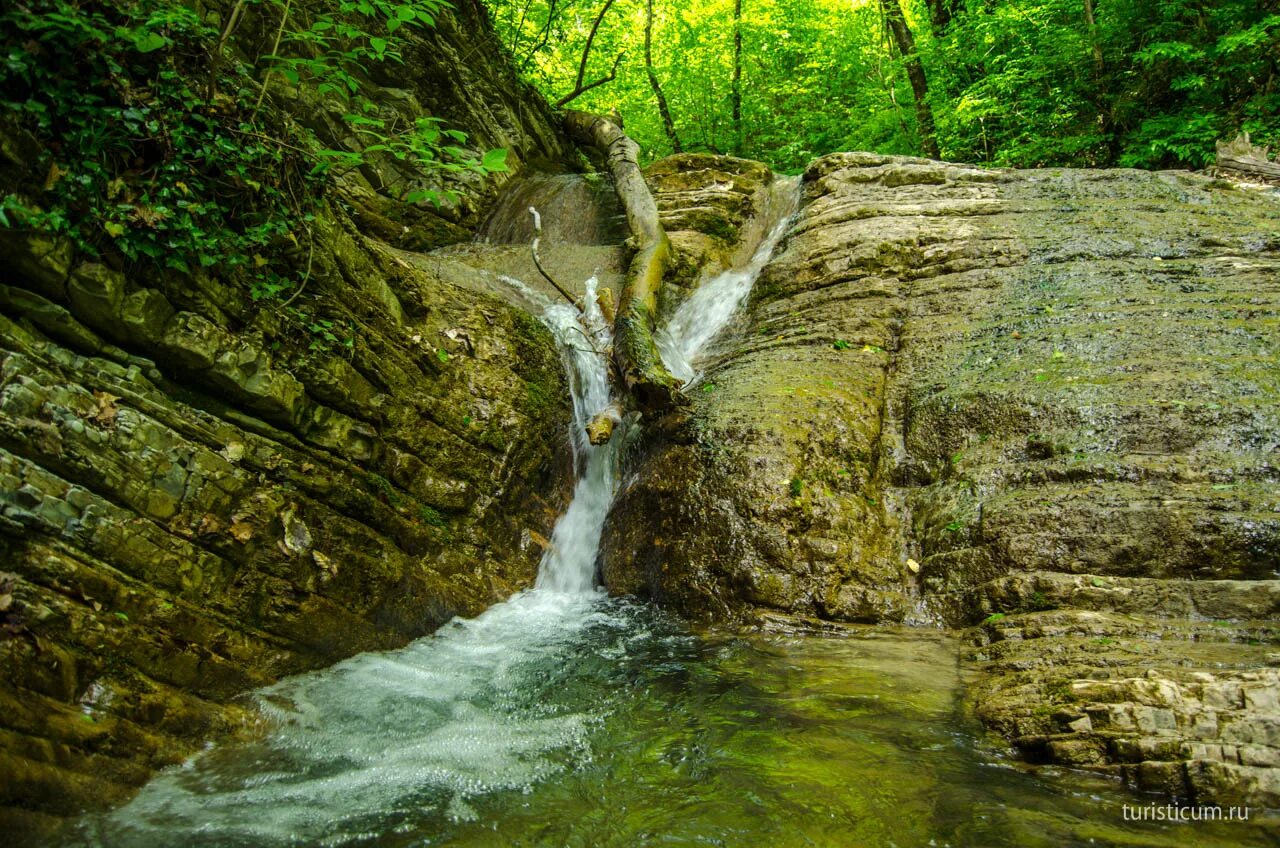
{"x": 668, "y": 124}
{"x": 941, "y": 12}
{"x": 915, "y": 73}
{"x": 1007, "y": 82}
{"x": 736, "y": 87}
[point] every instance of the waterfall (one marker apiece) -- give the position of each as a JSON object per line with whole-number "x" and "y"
{"x": 569, "y": 563}
{"x": 502, "y": 701}
{"x": 700, "y": 318}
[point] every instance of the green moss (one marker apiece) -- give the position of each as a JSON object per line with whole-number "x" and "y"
{"x": 430, "y": 515}
{"x": 381, "y": 485}
{"x": 539, "y": 398}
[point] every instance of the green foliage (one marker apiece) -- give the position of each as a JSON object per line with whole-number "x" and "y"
{"x": 1012, "y": 82}
{"x": 430, "y": 515}
{"x": 139, "y": 160}
{"x": 158, "y": 150}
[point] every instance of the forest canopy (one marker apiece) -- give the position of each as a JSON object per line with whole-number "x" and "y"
{"x": 1141, "y": 83}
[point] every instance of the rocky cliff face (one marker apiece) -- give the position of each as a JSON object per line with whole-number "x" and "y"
{"x": 1043, "y": 403}
{"x": 199, "y": 494}
{"x": 1040, "y": 406}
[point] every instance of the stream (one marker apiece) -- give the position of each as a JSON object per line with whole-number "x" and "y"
{"x": 564, "y": 717}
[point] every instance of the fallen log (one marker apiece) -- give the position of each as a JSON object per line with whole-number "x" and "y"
{"x": 600, "y": 428}
{"x": 1243, "y": 157}
{"x": 646, "y": 379}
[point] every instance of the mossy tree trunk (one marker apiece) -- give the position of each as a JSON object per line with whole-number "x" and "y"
{"x": 645, "y": 378}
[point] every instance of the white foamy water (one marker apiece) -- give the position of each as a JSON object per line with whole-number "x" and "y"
{"x": 569, "y": 564}
{"x": 700, "y": 318}
{"x": 503, "y": 701}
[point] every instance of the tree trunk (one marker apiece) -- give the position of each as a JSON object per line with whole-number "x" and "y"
{"x": 736, "y": 89}
{"x": 1092, "y": 25}
{"x": 939, "y": 15}
{"x": 915, "y": 73}
{"x": 1243, "y": 157}
{"x": 668, "y": 124}
{"x": 645, "y": 378}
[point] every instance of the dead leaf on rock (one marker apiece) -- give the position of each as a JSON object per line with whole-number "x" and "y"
{"x": 107, "y": 409}
{"x": 457, "y": 334}
{"x": 233, "y": 452}
{"x": 325, "y": 562}
{"x": 297, "y": 538}
{"x": 209, "y": 524}
{"x": 241, "y": 531}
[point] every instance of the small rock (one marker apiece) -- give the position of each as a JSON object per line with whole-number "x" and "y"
{"x": 1081, "y": 725}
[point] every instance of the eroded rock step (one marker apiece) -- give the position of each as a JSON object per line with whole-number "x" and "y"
{"x": 963, "y": 396}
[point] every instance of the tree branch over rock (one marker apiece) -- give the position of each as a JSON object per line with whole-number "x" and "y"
{"x": 580, "y": 87}
{"x": 645, "y": 378}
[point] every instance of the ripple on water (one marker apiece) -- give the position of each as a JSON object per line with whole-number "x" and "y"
{"x": 556, "y": 721}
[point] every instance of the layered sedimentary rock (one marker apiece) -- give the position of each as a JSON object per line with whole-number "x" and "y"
{"x": 199, "y": 493}
{"x": 1040, "y": 402}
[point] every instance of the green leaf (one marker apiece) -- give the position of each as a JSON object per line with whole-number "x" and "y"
{"x": 495, "y": 161}
{"x": 148, "y": 42}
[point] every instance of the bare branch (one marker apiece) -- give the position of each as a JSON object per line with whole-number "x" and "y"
{"x": 586, "y": 49}
{"x": 537, "y": 258}
{"x": 668, "y": 124}
{"x": 583, "y": 89}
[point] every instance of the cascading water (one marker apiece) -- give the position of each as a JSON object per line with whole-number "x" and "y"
{"x": 697, "y": 321}
{"x": 569, "y": 563}
{"x": 429, "y": 726}
{"x": 563, "y": 717}
{"x": 390, "y": 737}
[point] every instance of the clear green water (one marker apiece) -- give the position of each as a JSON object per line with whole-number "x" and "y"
{"x": 576, "y": 721}
{"x": 564, "y": 718}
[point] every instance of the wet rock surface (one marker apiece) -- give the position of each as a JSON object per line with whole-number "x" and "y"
{"x": 1046, "y": 400}
{"x": 193, "y": 511}
{"x": 199, "y": 494}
